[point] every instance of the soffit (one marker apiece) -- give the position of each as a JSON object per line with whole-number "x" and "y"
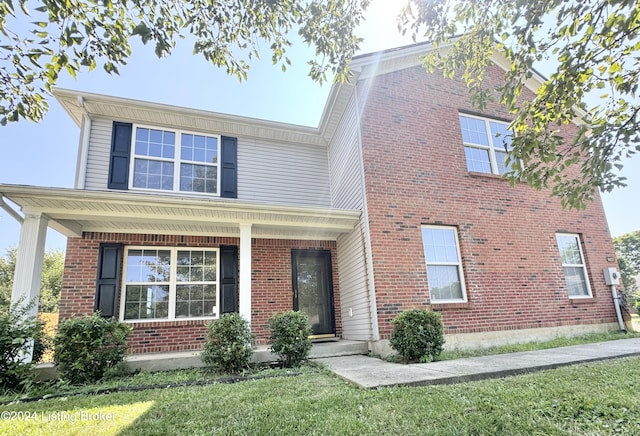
{"x": 75, "y": 211}
{"x": 123, "y": 109}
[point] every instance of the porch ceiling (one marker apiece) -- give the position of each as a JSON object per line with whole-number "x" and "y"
{"x": 73, "y": 211}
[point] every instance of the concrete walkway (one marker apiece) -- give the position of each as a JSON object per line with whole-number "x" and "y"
{"x": 369, "y": 372}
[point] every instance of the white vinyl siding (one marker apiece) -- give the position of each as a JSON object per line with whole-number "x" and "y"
{"x": 268, "y": 172}
{"x": 344, "y": 157}
{"x": 347, "y": 192}
{"x": 354, "y": 294}
{"x": 283, "y": 173}
{"x": 98, "y": 154}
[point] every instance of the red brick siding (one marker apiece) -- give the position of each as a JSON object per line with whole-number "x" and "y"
{"x": 271, "y": 285}
{"x": 415, "y": 174}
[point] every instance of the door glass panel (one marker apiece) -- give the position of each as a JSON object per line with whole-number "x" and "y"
{"x": 313, "y": 292}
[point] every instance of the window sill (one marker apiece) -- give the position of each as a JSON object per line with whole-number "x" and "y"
{"x": 167, "y": 322}
{"x": 582, "y": 300}
{"x": 476, "y": 174}
{"x": 452, "y": 305}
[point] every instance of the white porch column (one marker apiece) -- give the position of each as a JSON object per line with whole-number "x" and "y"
{"x": 29, "y": 262}
{"x": 245, "y": 271}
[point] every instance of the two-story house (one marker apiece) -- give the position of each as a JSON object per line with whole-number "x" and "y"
{"x": 394, "y": 201}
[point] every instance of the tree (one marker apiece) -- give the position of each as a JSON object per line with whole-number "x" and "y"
{"x": 50, "y": 285}
{"x": 595, "y": 47}
{"x": 82, "y": 34}
{"x": 628, "y": 252}
{"x": 7, "y": 268}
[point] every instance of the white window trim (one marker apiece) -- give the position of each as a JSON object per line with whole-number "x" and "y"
{"x": 176, "y": 160}
{"x": 172, "y": 284}
{"x": 583, "y": 266}
{"x": 458, "y": 264}
{"x": 493, "y": 162}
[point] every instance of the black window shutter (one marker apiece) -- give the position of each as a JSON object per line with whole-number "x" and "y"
{"x": 228, "y": 279}
{"x": 120, "y": 155}
{"x": 108, "y": 281}
{"x": 229, "y": 173}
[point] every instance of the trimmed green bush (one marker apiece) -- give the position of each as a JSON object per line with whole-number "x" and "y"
{"x": 90, "y": 348}
{"x": 290, "y": 333}
{"x": 418, "y": 335}
{"x": 18, "y": 331}
{"x": 228, "y": 346}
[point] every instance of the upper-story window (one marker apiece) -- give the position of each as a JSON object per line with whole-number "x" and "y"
{"x": 173, "y": 160}
{"x": 486, "y": 143}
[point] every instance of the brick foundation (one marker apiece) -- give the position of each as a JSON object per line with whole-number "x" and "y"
{"x": 271, "y": 284}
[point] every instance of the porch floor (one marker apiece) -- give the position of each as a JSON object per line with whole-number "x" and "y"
{"x": 191, "y": 359}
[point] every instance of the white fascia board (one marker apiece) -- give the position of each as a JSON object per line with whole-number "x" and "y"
{"x": 32, "y": 199}
{"x": 254, "y": 127}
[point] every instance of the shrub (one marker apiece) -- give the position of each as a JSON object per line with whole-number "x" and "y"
{"x": 228, "y": 346}
{"x": 90, "y": 348}
{"x": 290, "y": 337}
{"x": 18, "y": 331}
{"x": 418, "y": 335}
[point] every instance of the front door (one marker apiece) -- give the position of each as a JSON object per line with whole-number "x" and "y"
{"x": 313, "y": 290}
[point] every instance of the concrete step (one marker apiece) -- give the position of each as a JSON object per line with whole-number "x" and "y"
{"x": 338, "y": 348}
{"x": 318, "y": 350}
{"x": 191, "y": 359}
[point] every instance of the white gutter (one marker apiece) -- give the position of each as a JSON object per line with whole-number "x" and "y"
{"x": 15, "y": 215}
{"x": 83, "y": 147}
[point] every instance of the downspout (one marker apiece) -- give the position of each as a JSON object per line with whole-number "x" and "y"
{"x": 612, "y": 278}
{"x": 616, "y": 304}
{"x": 373, "y": 306}
{"x": 15, "y": 215}
{"x": 83, "y": 147}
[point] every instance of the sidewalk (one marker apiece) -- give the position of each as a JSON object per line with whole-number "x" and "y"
{"x": 369, "y": 372}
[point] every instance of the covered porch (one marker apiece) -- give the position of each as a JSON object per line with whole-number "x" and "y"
{"x": 78, "y": 213}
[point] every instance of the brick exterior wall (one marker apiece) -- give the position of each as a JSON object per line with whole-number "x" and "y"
{"x": 416, "y": 173}
{"x": 271, "y": 284}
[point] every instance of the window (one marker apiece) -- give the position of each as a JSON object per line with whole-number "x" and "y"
{"x": 575, "y": 270}
{"x": 170, "y": 283}
{"x": 444, "y": 270}
{"x": 486, "y": 143}
{"x": 175, "y": 161}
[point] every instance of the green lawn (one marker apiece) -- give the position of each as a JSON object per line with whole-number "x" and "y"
{"x": 597, "y": 398}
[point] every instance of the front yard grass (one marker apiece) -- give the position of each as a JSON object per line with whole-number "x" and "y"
{"x": 596, "y": 398}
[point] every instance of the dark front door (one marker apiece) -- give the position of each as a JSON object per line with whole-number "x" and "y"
{"x": 313, "y": 289}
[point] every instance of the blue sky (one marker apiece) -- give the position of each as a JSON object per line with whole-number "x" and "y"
{"x": 44, "y": 154}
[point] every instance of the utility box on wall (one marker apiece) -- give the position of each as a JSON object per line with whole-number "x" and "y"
{"x": 611, "y": 276}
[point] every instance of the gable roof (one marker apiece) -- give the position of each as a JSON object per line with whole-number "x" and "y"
{"x": 363, "y": 67}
